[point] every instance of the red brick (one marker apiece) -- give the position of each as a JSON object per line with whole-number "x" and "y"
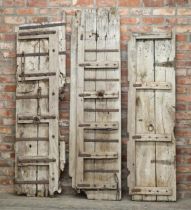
{"x": 185, "y": 46}
{"x": 183, "y": 63}
{"x": 123, "y": 11}
{"x": 182, "y": 2}
{"x": 5, "y": 130}
{"x": 183, "y": 56}
{"x": 183, "y": 29}
{"x": 164, "y": 11}
{"x": 5, "y": 28}
{"x": 37, "y": 3}
{"x": 10, "y": 88}
{"x": 7, "y": 78}
{"x": 9, "y": 54}
{"x": 153, "y": 3}
{"x": 181, "y": 107}
{"x": 109, "y": 3}
{"x": 7, "y": 11}
{"x": 25, "y": 11}
{"x": 84, "y": 2}
{"x": 153, "y": 20}
{"x": 36, "y": 19}
{"x": 140, "y": 11}
{"x": 8, "y": 37}
{"x": 129, "y": 20}
{"x": 18, "y": 3}
{"x": 180, "y": 89}
{"x": 6, "y": 147}
{"x": 183, "y": 21}
{"x": 130, "y": 3}
{"x": 170, "y": 3}
{"x": 181, "y": 37}
{"x": 141, "y": 29}
{"x": 14, "y": 20}
{"x": 183, "y": 115}
{"x": 53, "y": 3}
{"x": 6, "y": 181}
{"x": 184, "y": 11}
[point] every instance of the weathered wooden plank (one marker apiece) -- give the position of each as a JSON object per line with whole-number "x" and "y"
{"x": 145, "y": 117}
{"x": 80, "y": 101}
{"x": 152, "y": 36}
{"x": 131, "y": 112}
{"x": 165, "y": 119}
{"x": 73, "y": 99}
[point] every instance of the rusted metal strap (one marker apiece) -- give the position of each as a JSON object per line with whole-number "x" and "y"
{"x": 33, "y": 33}
{"x": 98, "y": 156}
{"x": 166, "y": 64}
{"x": 101, "y": 110}
{"x": 38, "y": 74}
{"x": 42, "y": 26}
{"x": 101, "y": 65}
{"x": 31, "y": 97}
{"x": 102, "y": 140}
{"x": 99, "y": 94}
{"x": 100, "y": 125}
{"x": 100, "y": 171}
{"x": 36, "y": 160}
{"x": 101, "y": 50}
{"x": 100, "y": 80}
{"x": 32, "y": 182}
{"x": 38, "y": 54}
{"x": 37, "y": 117}
{"x": 163, "y": 162}
{"x": 97, "y": 187}
{"x": 153, "y": 85}
{"x": 151, "y": 191}
{"x": 153, "y": 137}
{"x": 32, "y": 139}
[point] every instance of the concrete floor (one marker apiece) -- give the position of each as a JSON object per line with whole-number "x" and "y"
{"x": 13, "y": 202}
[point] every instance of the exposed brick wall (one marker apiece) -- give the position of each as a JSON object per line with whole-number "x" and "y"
{"x": 136, "y": 16}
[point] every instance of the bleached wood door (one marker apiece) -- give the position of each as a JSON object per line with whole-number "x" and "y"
{"x": 40, "y": 64}
{"x": 95, "y": 130}
{"x": 151, "y": 117}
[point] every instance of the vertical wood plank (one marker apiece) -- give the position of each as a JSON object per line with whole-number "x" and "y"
{"x": 165, "y": 118}
{"x": 145, "y": 117}
{"x": 53, "y": 109}
{"x": 80, "y": 101}
{"x": 73, "y": 98}
{"x": 90, "y": 43}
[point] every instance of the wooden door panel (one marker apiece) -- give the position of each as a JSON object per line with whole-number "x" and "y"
{"x": 37, "y": 167}
{"x": 151, "y": 148}
{"x": 96, "y": 168}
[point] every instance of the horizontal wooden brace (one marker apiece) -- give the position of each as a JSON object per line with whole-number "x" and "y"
{"x": 37, "y": 26}
{"x": 102, "y": 65}
{"x": 153, "y": 85}
{"x": 32, "y": 182}
{"x": 100, "y": 80}
{"x": 99, "y": 94}
{"x": 33, "y": 33}
{"x": 151, "y": 191}
{"x": 31, "y": 97}
{"x": 38, "y": 74}
{"x": 32, "y": 139}
{"x": 102, "y": 140}
{"x": 101, "y": 110}
{"x": 100, "y": 171}
{"x": 101, "y": 50}
{"x": 99, "y": 155}
{"x": 153, "y": 137}
{"x": 153, "y": 36}
{"x": 100, "y": 125}
{"x": 38, "y": 54}
{"x": 97, "y": 186}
